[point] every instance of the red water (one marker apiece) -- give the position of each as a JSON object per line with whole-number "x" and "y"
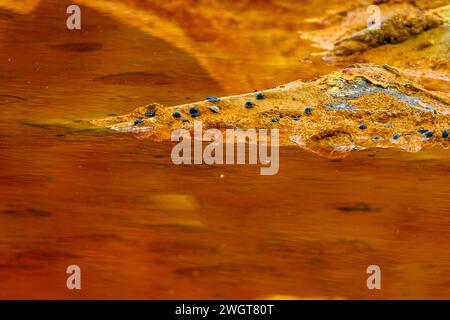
{"x": 141, "y": 227}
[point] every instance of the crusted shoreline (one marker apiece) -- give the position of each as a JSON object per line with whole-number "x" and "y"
{"x": 362, "y": 106}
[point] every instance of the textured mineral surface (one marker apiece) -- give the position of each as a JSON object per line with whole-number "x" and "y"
{"x": 413, "y": 36}
{"x": 362, "y": 106}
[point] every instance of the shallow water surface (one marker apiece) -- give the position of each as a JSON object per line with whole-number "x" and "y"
{"x": 141, "y": 227}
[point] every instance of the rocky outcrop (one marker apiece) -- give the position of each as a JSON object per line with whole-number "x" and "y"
{"x": 362, "y": 106}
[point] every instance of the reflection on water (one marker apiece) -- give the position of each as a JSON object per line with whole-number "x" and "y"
{"x": 141, "y": 227}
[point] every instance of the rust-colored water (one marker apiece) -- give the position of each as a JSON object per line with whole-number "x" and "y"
{"x": 141, "y": 227}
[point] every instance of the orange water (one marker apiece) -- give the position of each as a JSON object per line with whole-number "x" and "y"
{"x": 141, "y": 227}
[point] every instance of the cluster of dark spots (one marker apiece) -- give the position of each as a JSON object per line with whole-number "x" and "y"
{"x": 425, "y": 133}
{"x": 429, "y": 134}
{"x": 194, "y": 112}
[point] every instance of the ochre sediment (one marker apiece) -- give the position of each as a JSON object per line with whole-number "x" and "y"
{"x": 362, "y": 106}
{"x": 392, "y": 31}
